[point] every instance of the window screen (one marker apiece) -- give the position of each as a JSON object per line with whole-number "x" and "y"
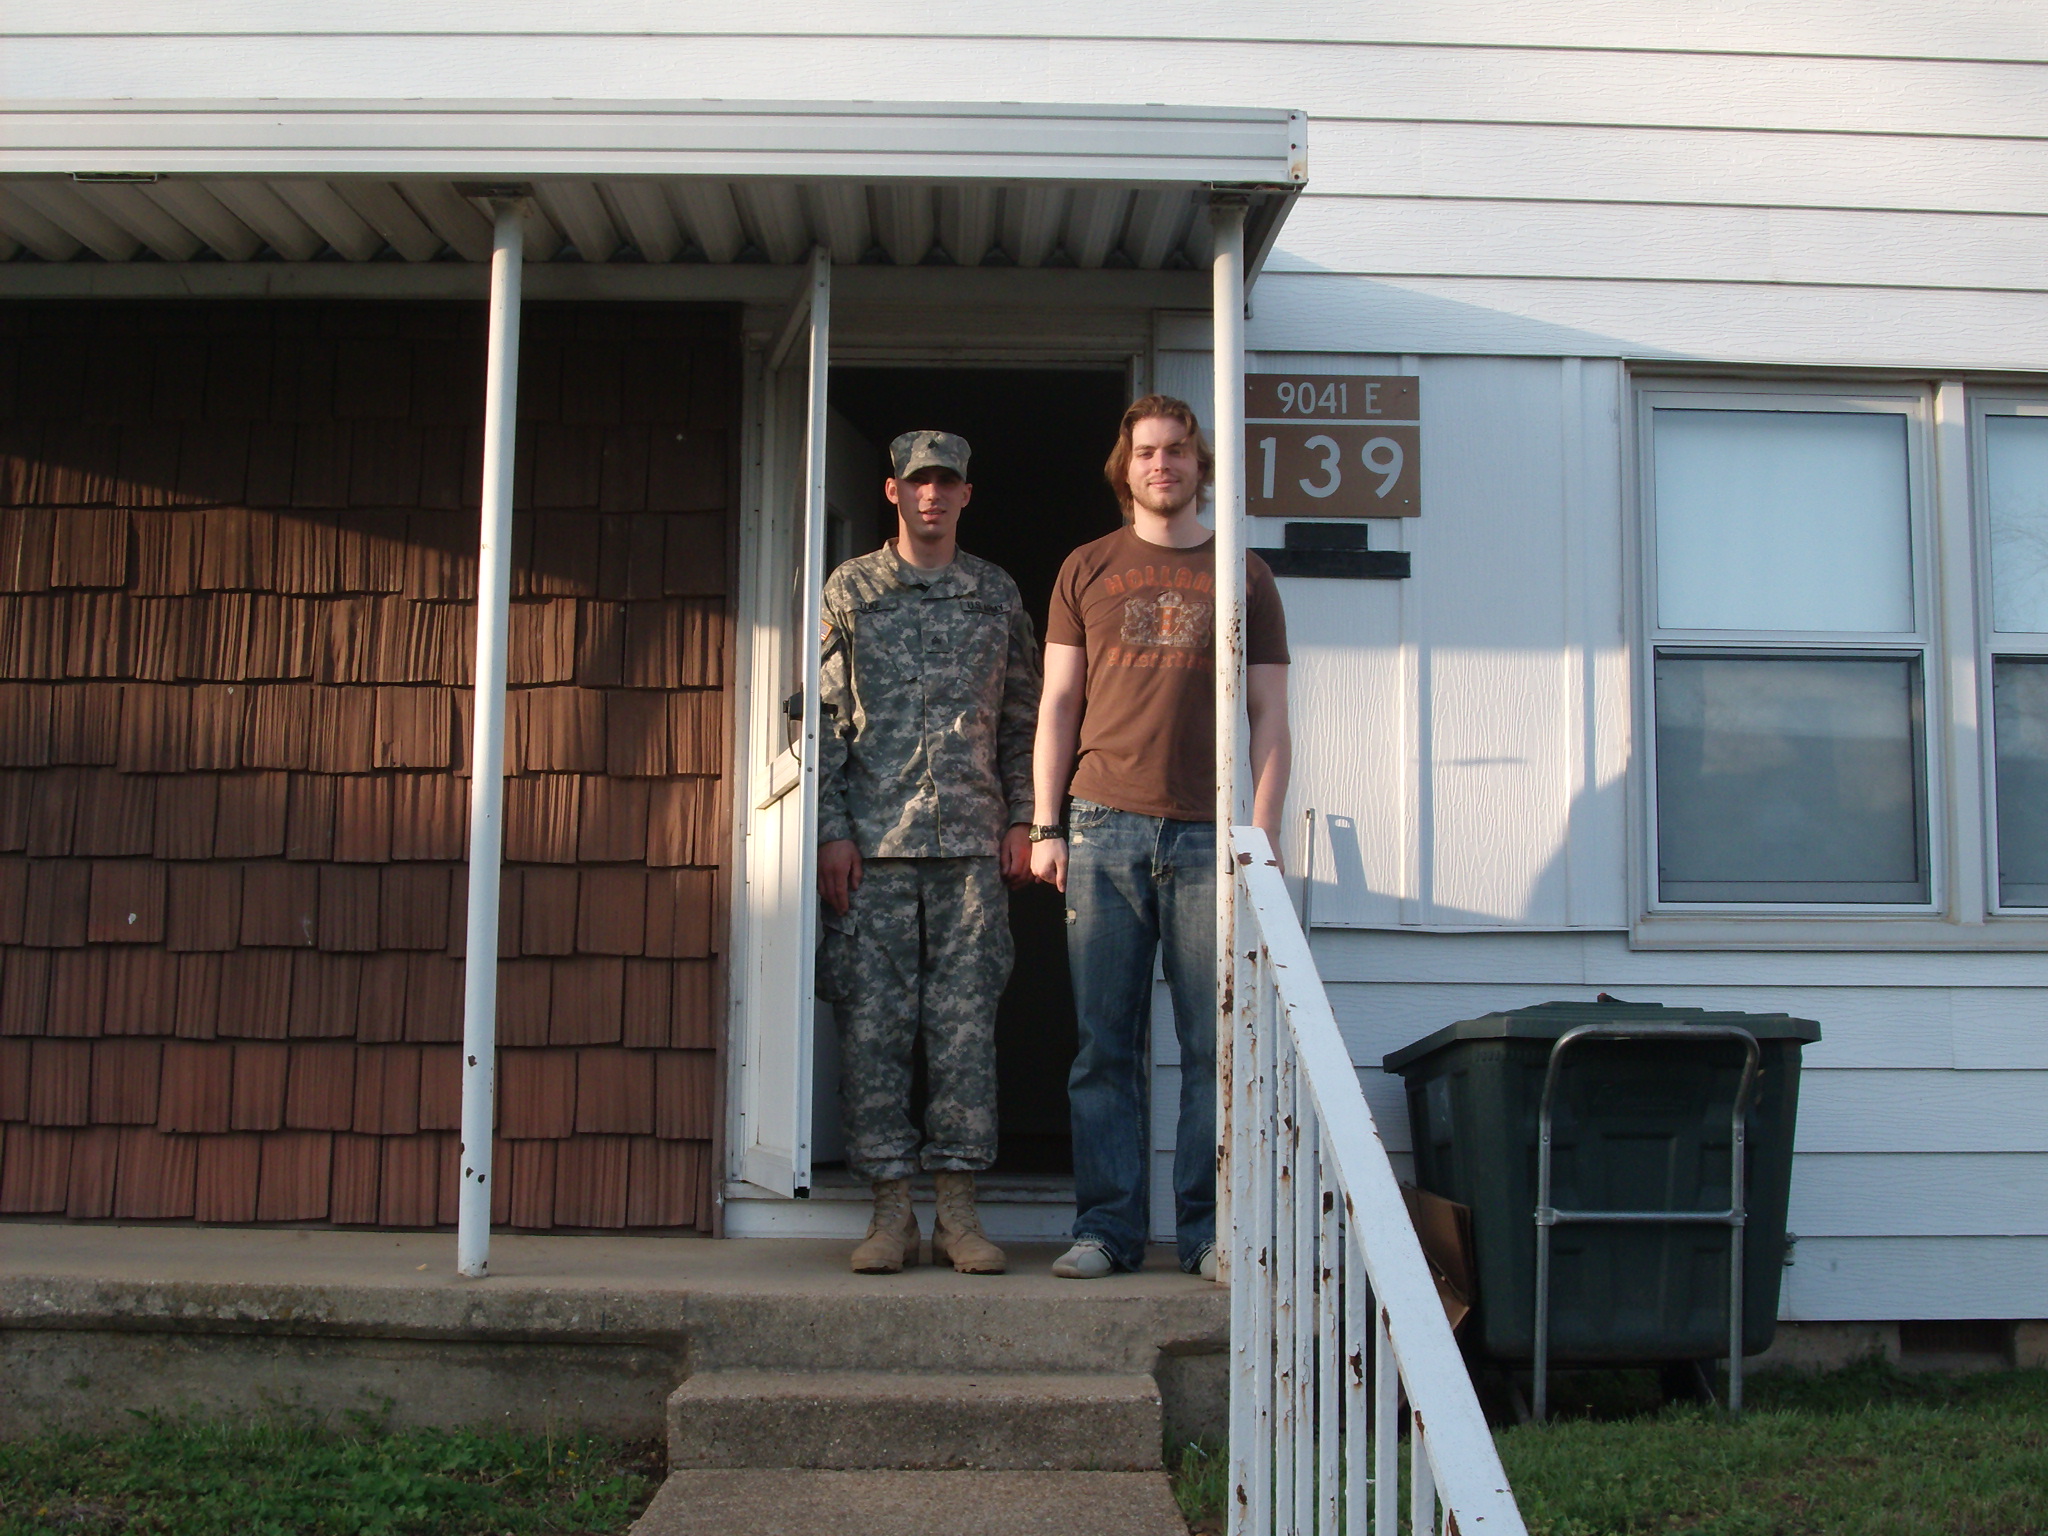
{"x": 1790, "y": 778}
{"x": 2019, "y": 709}
{"x": 1783, "y": 520}
{"x": 2016, "y": 485}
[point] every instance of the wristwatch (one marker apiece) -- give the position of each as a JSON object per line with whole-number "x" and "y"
{"x": 1040, "y": 834}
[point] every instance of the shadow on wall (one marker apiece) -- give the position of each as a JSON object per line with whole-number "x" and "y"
{"x": 1344, "y": 895}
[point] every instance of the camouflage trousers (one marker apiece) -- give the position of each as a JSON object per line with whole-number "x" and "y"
{"x": 923, "y": 951}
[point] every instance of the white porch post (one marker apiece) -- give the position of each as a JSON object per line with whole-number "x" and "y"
{"x": 487, "y": 749}
{"x": 1227, "y": 305}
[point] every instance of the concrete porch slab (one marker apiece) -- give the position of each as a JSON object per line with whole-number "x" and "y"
{"x": 592, "y": 1331}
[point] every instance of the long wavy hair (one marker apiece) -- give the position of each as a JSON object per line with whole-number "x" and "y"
{"x": 1117, "y": 469}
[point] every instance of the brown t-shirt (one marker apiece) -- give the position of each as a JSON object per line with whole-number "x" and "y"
{"x": 1146, "y": 615}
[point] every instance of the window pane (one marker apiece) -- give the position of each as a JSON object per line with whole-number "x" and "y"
{"x": 1783, "y": 520}
{"x": 2019, "y": 712}
{"x": 2016, "y": 475}
{"x": 1789, "y": 779}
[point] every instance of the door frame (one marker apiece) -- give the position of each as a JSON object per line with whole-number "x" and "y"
{"x": 1040, "y": 337}
{"x": 774, "y": 904}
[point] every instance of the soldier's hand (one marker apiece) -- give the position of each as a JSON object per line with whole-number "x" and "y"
{"x": 1015, "y": 857}
{"x": 838, "y": 872}
{"x": 1049, "y": 862}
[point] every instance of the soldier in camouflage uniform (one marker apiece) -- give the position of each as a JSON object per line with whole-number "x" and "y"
{"x": 930, "y": 694}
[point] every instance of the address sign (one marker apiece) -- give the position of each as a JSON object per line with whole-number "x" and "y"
{"x": 1332, "y": 445}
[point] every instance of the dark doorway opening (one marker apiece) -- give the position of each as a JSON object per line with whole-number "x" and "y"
{"x": 1039, "y": 437}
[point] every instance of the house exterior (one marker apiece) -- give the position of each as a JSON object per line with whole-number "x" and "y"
{"x": 1715, "y": 679}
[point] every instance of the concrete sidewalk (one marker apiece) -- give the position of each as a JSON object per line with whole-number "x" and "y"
{"x": 743, "y": 1503}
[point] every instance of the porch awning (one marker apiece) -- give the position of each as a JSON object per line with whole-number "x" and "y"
{"x": 638, "y": 181}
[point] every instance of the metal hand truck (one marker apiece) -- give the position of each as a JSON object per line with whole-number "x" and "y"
{"x": 1735, "y": 1217}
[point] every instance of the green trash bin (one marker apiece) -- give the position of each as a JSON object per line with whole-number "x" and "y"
{"x": 1640, "y": 1125}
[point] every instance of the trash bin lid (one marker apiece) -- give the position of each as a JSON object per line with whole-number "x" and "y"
{"x": 1546, "y": 1021}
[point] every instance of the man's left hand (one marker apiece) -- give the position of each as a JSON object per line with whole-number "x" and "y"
{"x": 1015, "y": 856}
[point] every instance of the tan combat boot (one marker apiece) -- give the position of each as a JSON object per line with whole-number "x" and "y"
{"x": 957, "y": 1234}
{"x": 892, "y": 1231}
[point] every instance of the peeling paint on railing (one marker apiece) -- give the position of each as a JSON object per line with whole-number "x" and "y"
{"x": 1334, "y": 1318}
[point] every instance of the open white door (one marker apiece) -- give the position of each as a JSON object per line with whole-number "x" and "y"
{"x": 776, "y": 1009}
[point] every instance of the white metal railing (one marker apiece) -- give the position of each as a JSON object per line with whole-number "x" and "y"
{"x": 1333, "y": 1315}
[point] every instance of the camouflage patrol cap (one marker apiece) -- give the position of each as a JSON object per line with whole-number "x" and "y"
{"x": 929, "y": 450}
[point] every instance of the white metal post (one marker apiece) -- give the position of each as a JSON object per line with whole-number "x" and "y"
{"x": 1227, "y": 413}
{"x": 487, "y": 749}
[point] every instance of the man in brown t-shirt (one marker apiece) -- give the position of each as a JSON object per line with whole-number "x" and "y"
{"x": 1127, "y": 728}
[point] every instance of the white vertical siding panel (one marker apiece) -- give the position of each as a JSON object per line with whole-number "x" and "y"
{"x": 1349, "y": 745}
{"x": 1165, "y": 1118}
{"x": 1495, "y": 673}
{"x": 1349, "y": 708}
{"x": 1598, "y": 654}
{"x": 1489, "y": 550}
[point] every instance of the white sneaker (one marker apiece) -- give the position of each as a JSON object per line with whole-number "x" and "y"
{"x": 1205, "y": 1262}
{"x": 1086, "y": 1260}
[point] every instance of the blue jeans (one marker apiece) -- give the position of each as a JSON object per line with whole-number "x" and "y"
{"x": 1137, "y": 885}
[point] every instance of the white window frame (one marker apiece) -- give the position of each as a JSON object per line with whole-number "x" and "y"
{"x": 1992, "y": 644}
{"x": 1951, "y": 585}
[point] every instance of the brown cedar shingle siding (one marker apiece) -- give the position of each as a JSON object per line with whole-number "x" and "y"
{"x": 237, "y": 571}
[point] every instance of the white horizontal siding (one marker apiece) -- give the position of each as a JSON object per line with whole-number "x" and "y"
{"x": 1804, "y": 326}
{"x": 1923, "y": 1110}
{"x": 1604, "y": 962}
{"x": 1375, "y": 82}
{"x": 1663, "y": 242}
{"x": 1865, "y": 1028}
{"x": 1960, "y": 1194}
{"x": 1756, "y": 131}
{"x": 1878, "y": 1279}
{"x": 1572, "y": 162}
{"x": 1910, "y": 29}
{"x": 1904, "y": 1112}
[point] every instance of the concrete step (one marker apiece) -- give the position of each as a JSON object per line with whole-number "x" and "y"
{"x": 934, "y": 1320}
{"x": 795, "y": 1503}
{"x": 988, "y": 1421}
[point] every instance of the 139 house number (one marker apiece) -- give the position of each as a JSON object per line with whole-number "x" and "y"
{"x": 1332, "y": 445}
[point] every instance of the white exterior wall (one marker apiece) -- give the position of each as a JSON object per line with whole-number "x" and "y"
{"x": 1515, "y": 200}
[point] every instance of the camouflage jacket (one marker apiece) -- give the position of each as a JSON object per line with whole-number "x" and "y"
{"x": 930, "y": 693}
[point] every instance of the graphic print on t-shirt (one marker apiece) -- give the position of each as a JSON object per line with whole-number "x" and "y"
{"x": 1167, "y": 618}
{"x": 1167, "y": 606}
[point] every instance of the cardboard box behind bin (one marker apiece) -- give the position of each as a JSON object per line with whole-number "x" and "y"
{"x": 1445, "y": 1230}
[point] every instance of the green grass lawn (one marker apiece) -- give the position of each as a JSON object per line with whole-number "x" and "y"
{"x": 285, "y": 1475}
{"x": 1865, "y": 1451}
{"x": 1861, "y": 1452}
